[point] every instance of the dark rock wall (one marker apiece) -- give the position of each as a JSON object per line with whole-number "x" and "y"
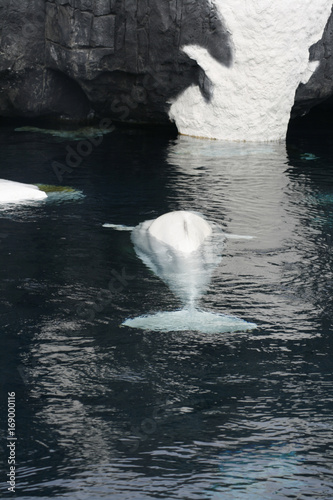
{"x": 320, "y": 85}
{"x": 27, "y": 86}
{"x": 120, "y": 58}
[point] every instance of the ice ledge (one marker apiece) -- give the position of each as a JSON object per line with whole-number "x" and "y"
{"x": 252, "y": 98}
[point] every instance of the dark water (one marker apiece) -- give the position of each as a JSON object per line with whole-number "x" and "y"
{"x": 105, "y": 411}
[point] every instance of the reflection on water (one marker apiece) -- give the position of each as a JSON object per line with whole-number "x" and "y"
{"x": 105, "y": 411}
{"x": 252, "y": 194}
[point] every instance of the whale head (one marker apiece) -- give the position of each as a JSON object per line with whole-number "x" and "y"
{"x": 182, "y": 230}
{"x": 180, "y": 248}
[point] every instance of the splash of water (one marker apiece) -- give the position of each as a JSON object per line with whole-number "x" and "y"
{"x": 190, "y": 318}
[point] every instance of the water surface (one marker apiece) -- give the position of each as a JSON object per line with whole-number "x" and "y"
{"x": 106, "y": 411}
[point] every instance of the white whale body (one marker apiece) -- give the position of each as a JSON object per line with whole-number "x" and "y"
{"x": 16, "y": 192}
{"x": 184, "y": 231}
{"x": 182, "y": 249}
{"x": 178, "y": 248}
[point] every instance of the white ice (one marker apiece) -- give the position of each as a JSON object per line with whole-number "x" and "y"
{"x": 253, "y": 97}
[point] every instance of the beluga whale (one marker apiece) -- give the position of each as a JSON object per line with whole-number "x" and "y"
{"x": 17, "y": 192}
{"x": 13, "y": 193}
{"x": 182, "y": 248}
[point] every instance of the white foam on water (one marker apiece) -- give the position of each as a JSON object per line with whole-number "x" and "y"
{"x": 190, "y": 319}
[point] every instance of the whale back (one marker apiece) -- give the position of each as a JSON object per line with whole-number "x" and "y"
{"x": 181, "y": 230}
{"x": 182, "y": 249}
{"x": 12, "y": 191}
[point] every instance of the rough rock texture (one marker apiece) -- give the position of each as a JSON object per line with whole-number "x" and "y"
{"x": 320, "y": 85}
{"x": 120, "y": 58}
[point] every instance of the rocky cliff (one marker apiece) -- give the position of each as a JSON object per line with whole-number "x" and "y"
{"x": 117, "y": 57}
{"x": 120, "y": 58}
